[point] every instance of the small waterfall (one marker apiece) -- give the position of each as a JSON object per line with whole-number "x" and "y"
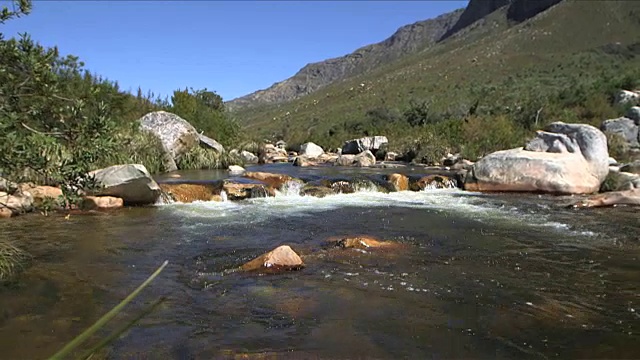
{"x": 164, "y": 198}
{"x": 445, "y": 183}
{"x": 290, "y": 188}
{"x": 223, "y": 195}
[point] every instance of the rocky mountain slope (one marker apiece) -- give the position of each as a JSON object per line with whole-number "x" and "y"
{"x": 496, "y": 64}
{"x": 407, "y": 40}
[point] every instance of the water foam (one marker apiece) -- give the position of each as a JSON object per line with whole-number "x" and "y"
{"x": 289, "y": 203}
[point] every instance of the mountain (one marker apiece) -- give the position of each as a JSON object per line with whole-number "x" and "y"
{"x": 562, "y": 62}
{"x": 407, "y": 40}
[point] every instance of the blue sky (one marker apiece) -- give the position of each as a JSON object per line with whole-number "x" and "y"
{"x": 231, "y": 47}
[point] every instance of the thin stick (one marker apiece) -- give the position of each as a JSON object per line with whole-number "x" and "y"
{"x": 104, "y": 319}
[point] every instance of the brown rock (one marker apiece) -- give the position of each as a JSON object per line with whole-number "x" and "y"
{"x": 273, "y": 180}
{"x": 238, "y": 191}
{"x": 5, "y": 213}
{"x": 398, "y": 182}
{"x": 280, "y": 258}
{"x": 317, "y": 191}
{"x": 187, "y": 193}
{"x": 627, "y": 197}
{"x": 432, "y": 182}
{"x": 101, "y": 203}
{"x": 41, "y": 193}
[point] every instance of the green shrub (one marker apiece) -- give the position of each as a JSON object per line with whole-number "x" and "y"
{"x": 201, "y": 158}
{"x": 12, "y": 260}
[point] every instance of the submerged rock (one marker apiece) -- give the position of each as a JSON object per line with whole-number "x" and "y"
{"x": 187, "y": 193}
{"x": 132, "y": 183}
{"x": 564, "y": 159}
{"x": 278, "y": 259}
{"x": 627, "y": 197}
{"x": 359, "y": 242}
{"x": 316, "y": 191}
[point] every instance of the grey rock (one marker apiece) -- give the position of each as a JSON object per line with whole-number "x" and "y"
{"x": 210, "y": 143}
{"x": 364, "y": 159}
{"x": 310, "y": 150}
{"x": 624, "y": 97}
{"x": 249, "y": 157}
{"x": 624, "y": 127}
{"x": 175, "y": 133}
{"x": 633, "y": 167}
{"x": 573, "y": 161}
{"x": 132, "y": 183}
{"x": 634, "y": 114}
{"x": 357, "y": 146}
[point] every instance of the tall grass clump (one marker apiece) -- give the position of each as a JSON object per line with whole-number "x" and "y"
{"x": 12, "y": 260}
{"x": 201, "y": 158}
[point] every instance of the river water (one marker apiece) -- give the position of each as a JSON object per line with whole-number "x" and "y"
{"x": 474, "y": 276}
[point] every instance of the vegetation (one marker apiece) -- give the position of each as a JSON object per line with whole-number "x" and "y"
{"x": 12, "y": 260}
{"x": 58, "y": 121}
{"x": 479, "y": 91}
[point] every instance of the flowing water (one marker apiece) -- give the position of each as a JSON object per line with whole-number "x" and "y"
{"x": 474, "y": 276}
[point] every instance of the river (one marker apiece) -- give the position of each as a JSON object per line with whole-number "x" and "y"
{"x": 483, "y": 276}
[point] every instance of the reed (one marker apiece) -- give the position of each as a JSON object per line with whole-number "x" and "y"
{"x": 12, "y": 260}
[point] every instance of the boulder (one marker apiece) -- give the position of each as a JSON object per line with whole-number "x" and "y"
{"x": 310, "y": 150}
{"x": 398, "y": 182}
{"x": 280, "y": 258}
{"x": 618, "y": 181}
{"x": 41, "y": 194}
{"x": 633, "y": 167}
{"x": 390, "y": 156}
{"x": 364, "y": 159}
{"x": 101, "y": 203}
{"x": 248, "y": 157}
{"x": 16, "y": 203}
{"x": 175, "y": 133}
{"x": 624, "y": 127}
{"x": 132, "y": 183}
{"x": 241, "y": 191}
{"x": 281, "y": 144}
{"x": 271, "y": 154}
{"x": 564, "y": 159}
{"x": 627, "y": 197}
{"x": 357, "y": 146}
{"x": 235, "y": 169}
{"x": 624, "y": 97}
{"x": 208, "y": 142}
{"x": 634, "y": 114}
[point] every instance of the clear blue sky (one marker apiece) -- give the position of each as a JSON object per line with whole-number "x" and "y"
{"x": 231, "y": 47}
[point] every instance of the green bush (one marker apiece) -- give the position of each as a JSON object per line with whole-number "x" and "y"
{"x": 201, "y": 158}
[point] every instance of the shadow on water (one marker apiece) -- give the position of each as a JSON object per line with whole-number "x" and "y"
{"x": 475, "y": 276}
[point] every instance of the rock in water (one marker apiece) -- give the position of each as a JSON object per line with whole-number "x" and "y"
{"x": 628, "y": 197}
{"x": 101, "y": 203}
{"x": 357, "y": 146}
{"x": 310, "y": 150}
{"x": 280, "y": 258}
{"x": 398, "y": 182}
{"x": 175, "y": 133}
{"x": 132, "y": 183}
{"x": 564, "y": 159}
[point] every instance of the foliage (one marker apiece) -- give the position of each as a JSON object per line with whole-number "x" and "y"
{"x": 206, "y": 112}
{"x": 514, "y": 86}
{"x": 12, "y": 260}
{"x": 201, "y": 158}
{"x": 618, "y": 147}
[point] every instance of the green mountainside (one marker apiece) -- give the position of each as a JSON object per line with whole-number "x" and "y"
{"x": 484, "y": 87}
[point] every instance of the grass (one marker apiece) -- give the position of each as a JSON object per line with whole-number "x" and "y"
{"x": 201, "y": 158}
{"x": 12, "y": 260}
{"x": 562, "y": 65}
